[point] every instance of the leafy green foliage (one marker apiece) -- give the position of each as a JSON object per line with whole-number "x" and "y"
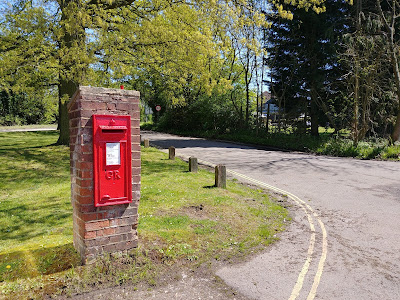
{"x": 21, "y": 109}
{"x": 305, "y": 66}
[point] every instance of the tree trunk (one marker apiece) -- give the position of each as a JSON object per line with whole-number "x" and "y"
{"x": 396, "y": 130}
{"x": 313, "y": 85}
{"x": 267, "y": 117}
{"x": 314, "y": 116}
{"x": 69, "y": 75}
{"x": 355, "y": 106}
{"x": 65, "y": 91}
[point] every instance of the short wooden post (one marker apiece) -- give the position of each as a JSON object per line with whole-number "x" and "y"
{"x": 220, "y": 176}
{"x": 171, "y": 152}
{"x": 193, "y": 167}
{"x": 146, "y": 143}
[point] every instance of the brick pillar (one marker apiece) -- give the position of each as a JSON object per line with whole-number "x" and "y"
{"x": 104, "y": 229}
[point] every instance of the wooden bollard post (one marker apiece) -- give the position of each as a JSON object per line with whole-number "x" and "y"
{"x": 193, "y": 164}
{"x": 146, "y": 143}
{"x": 220, "y": 176}
{"x": 171, "y": 152}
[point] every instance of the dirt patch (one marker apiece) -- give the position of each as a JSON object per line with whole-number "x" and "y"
{"x": 177, "y": 284}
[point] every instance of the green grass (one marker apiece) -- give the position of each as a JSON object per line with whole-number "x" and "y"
{"x": 183, "y": 222}
{"x": 35, "y": 209}
{"x": 178, "y": 207}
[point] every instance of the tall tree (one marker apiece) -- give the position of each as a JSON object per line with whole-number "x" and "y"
{"x": 73, "y": 41}
{"x": 304, "y": 63}
{"x": 389, "y": 13}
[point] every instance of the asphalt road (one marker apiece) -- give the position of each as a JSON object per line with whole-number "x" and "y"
{"x": 344, "y": 241}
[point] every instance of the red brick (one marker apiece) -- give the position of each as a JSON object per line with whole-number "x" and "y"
{"x": 84, "y": 183}
{"x": 123, "y": 106}
{"x": 112, "y": 214}
{"x": 135, "y": 116}
{"x": 109, "y": 248}
{"x": 136, "y": 147}
{"x": 122, "y": 218}
{"x": 127, "y": 221}
{"x": 85, "y": 174}
{"x": 84, "y": 199}
{"x": 73, "y": 132}
{"x": 109, "y": 231}
{"x": 116, "y": 238}
{"x": 86, "y": 113}
{"x": 84, "y": 165}
{"x": 135, "y": 139}
{"x": 86, "y": 158}
{"x": 131, "y": 211}
{"x": 75, "y": 114}
{"x": 91, "y": 250}
{"x": 123, "y": 229}
{"x": 73, "y": 123}
{"x": 88, "y": 208}
{"x": 104, "y": 112}
{"x": 111, "y": 106}
{"x": 89, "y": 217}
{"x": 90, "y": 235}
{"x": 87, "y": 149}
{"x": 96, "y": 225}
{"x": 136, "y": 196}
{"x": 85, "y": 191}
{"x": 136, "y": 155}
{"x": 86, "y": 122}
{"x": 93, "y": 105}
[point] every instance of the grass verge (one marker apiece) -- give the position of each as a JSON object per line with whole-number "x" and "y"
{"x": 184, "y": 222}
{"x": 326, "y": 144}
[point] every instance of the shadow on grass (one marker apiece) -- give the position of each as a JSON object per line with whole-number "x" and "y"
{"x": 28, "y": 159}
{"x": 209, "y": 186}
{"x": 45, "y": 261}
{"x": 27, "y": 222}
{"x": 160, "y": 167}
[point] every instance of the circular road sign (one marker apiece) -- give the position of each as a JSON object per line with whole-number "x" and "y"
{"x": 158, "y": 107}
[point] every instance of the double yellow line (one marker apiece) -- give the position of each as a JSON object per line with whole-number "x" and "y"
{"x": 311, "y": 214}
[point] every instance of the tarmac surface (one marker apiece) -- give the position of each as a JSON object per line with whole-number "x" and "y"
{"x": 28, "y": 128}
{"x": 343, "y": 242}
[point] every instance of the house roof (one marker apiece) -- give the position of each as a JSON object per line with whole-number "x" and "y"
{"x": 266, "y": 95}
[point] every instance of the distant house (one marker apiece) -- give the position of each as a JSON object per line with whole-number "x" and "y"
{"x": 269, "y": 102}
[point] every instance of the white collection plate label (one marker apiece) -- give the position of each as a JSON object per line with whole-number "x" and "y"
{"x": 113, "y": 154}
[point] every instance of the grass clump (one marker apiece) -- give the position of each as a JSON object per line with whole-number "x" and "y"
{"x": 183, "y": 210}
{"x": 183, "y": 222}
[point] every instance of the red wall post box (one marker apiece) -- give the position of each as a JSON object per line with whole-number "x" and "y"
{"x": 112, "y": 160}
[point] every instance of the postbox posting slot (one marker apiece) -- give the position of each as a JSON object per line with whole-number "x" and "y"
{"x": 113, "y": 129}
{"x": 102, "y": 127}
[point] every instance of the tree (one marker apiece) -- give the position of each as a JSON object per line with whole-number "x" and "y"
{"x": 304, "y": 62}
{"x": 389, "y": 14}
{"x": 72, "y": 42}
{"x": 75, "y": 40}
